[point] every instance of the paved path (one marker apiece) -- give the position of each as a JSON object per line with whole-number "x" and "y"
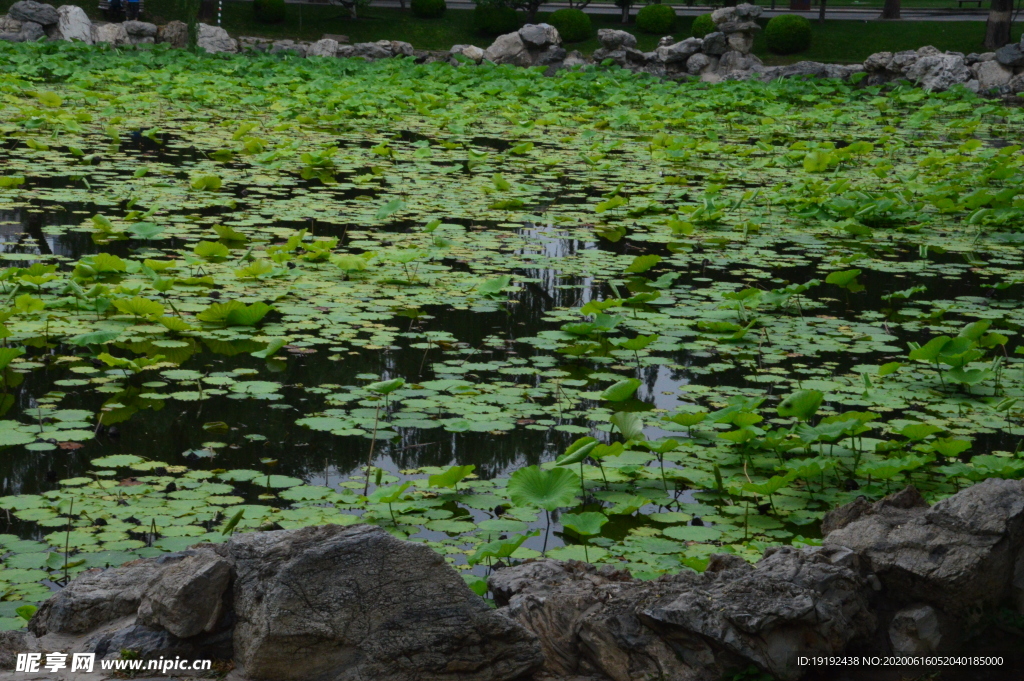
{"x": 844, "y": 13}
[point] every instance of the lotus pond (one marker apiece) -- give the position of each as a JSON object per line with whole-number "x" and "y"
{"x": 598, "y": 315}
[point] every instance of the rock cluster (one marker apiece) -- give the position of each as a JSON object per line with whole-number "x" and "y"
{"x": 325, "y": 602}
{"x": 724, "y": 54}
{"x": 336, "y": 603}
{"x": 896, "y": 576}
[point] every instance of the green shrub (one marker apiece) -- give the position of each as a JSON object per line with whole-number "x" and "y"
{"x": 428, "y": 9}
{"x": 268, "y": 11}
{"x": 573, "y": 25}
{"x": 703, "y": 25}
{"x": 493, "y": 19}
{"x": 659, "y": 19}
{"x": 788, "y": 33}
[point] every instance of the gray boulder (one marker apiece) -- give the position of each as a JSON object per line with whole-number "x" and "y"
{"x": 369, "y": 51}
{"x": 715, "y": 44}
{"x": 358, "y": 600}
{"x": 96, "y": 597}
{"x": 917, "y": 630}
{"x": 187, "y": 599}
{"x": 140, "y": 29}
{"x": 879, "y": 61}
{"x": 325, "y": 47}
{"x": 991, "y": 74}
{"x": 215, "y": 39}
{"x": 679, "y": 52}
{"x": 901, "y": 62}
{"x": 72, "y": 24}
{"x": 699, "y": 63}
{"x": 175, "y": 34}
{"x": 688, "y": 626}
{"x": 30, "y": 10}
{"x": 288, "y": 46}
{"x": 401, "y": 48}
{"x": 539, "y": 36}
{"x": 958, "y": 556}
{"x": 811, "y": 69}
{"x": 734, "y": 60}
{"x": 9, "y": 24}
{"x": 31, "y": 31}
{"x": 12, "y": 37}
{"x": 469, "y": 51}
{"x": 1010, "y": 55}
{"x": 553, "y": 55}
{"x": 939, "y": 71}
{"x": 326, "y": 602}
{"x": 114, "y": 34}
{"x": 509, "y": 49}
{"x": 613, "y": 39}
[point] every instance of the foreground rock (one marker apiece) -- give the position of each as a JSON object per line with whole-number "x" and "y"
{"x": 532, "y": 45}
{"x": 896, "y": 576}
{"x": 325, "y": 602}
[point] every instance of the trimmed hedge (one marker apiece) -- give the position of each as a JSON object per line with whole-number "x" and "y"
{"x": 787, "y": 34}
{"x": 703, "y": 25}
{"x": 658, "y": 19}
{"x": 573, "y": 25}
{"x": 428, "y": 9}
{"x": 494, "y": 19}
{"x": 268, "y": 11}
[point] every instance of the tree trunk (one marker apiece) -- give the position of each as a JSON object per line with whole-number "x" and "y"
{"x": 625, "y": 14}
{"x": 997, "y": 30}
{"x": 821, "y": 12}
{"x": 891, "y": 9}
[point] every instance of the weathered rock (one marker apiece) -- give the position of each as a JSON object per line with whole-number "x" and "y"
{"x": 9, "y": 24}
{"x": 187, "y": 599}
{"x": 939, "y": 71}
{"x": 916, "y": 630}
{"x": 700, "y": 62}
{"x": 613, "y": 39}
{"x": 574, "y": 59}
{"x": 554, "y": 54}
{"x": 509, "y": 49}
{"x": 715, "y": 44}
{"x": 879, "y": 61}
{"x": 813, "y": 69}
{"x": 356, "y": 599}
{"x": 472, "y": 52}
{"x": 31, "y": 31}
{"x": 288, "y": 46}
{"x": 30, "y": 10}
{"x": 1010, "y": 55}
{"x": 175, "y": 33}
{"x": 741, "y": 12}
{"x": 325, "y": 47}
{"x": 1015, "y": 86}
{"x": 401, "y": 48}
{"x": 12, "y": 37}
{"x": 215, "y": 39}
{"x": 901, "y": 62}
{"x": 99, "y": 596}
{"x": 539, "y": 36}
{"x": 72, "y": 24}
{"x": 929, "y": 51}
{"x": 143, "y": 29}
{"x": 679, "y": 52}
{"x": 369, "y": 51}
{"x": 688, "y": 626}
{"x": 733, "y": 60}
{"x": 741, "y": 42}
{"x": 991, "y": 74}
{"x": 958, "y": 556}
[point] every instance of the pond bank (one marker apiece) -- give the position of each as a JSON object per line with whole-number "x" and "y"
{"x": 722, "y": 55}
{"x": 896, "y": 577}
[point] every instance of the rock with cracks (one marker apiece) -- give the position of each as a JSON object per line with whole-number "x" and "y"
{"x": 329, "y": 602}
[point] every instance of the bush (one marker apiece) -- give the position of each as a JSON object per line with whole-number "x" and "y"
{"x": 703, "y": 25}
{"x": 268, "y": 11}
{"x": 573, "y": 25}
{"x": 788, "y": 33}
{"x": 658, "y": 19}
{"x": 491, "y": 19}
{"x": 428, "y": 9}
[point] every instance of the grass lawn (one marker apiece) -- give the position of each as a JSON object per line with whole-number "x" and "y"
{"x": 835, "y": 41}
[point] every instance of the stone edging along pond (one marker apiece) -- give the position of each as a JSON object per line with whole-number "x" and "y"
{"x": 897, "y": 577}
{"x": 721, "y": 55}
